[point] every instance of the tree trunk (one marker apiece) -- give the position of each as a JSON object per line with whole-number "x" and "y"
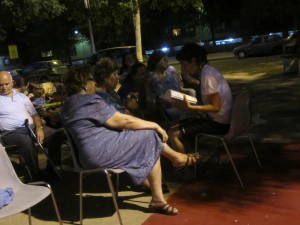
{"x": 137, "y": 29}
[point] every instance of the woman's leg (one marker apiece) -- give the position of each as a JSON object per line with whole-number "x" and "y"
{"x": 158, "y": 201}
{"x": 179, "y": 159}
{"x": 175, "y": 139}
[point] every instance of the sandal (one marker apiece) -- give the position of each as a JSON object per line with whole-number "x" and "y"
{"x": 165, "y": 209}
{"x": 191, "y": 160}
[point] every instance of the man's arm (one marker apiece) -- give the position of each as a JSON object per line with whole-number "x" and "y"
{"x": 38, "y": 127}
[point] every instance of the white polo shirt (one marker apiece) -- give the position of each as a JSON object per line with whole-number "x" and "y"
{"x": 212, "y": 81}
{"x": 14, "y": 111}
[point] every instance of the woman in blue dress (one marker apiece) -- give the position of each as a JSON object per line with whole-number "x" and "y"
{"x": 107, "y": 138}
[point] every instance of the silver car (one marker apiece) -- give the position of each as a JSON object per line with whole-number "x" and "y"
{"x": 42, "y": 71}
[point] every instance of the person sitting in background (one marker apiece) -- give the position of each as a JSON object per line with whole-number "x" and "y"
{"x": 136, "y": 94}
{"x": 128, "y": 60}
{"x": 20, "y": 85}
{"x": 39, "y": 96}
{"x": 106, "y": 76}
{"x": 216, "y": 99}
{"x": 161, "y": 79}
{"x": 15, "y": 108}
{"x": 99, "y": 131}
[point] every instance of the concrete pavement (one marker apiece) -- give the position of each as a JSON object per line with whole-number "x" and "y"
{"x": 276, "y": 109}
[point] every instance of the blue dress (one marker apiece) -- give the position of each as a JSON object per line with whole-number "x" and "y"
{"x": 136, "y": 152}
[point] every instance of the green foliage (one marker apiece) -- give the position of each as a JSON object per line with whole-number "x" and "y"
{"x": 16, "y": 14}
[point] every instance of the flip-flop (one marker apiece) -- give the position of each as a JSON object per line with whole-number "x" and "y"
{"x": 165, "y": 209}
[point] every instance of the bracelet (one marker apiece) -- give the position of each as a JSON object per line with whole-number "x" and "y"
{"x": 40, "y": 127}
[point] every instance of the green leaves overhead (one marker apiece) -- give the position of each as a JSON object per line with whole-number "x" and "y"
{"x": 18, "y": 14}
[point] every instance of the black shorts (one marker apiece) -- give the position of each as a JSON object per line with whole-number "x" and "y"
{"x": 190, "y": 127}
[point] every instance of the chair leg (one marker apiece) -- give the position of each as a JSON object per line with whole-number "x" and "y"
{"x": 111, "y": 187}
{"x": 80, "y": 198}
{"x": 117, "y": 185}
{"x": 50, "y": 161}
{"x": 232, "y": 163}
{"x": 45, "y": 184}
{"x": 195, "y": 166}
{"x": 254, "y": 150}
{"x": 29, "y": 216}
{"x": 56, "y": 208}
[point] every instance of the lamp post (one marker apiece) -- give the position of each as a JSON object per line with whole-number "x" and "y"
{"x": 88, "y": 8}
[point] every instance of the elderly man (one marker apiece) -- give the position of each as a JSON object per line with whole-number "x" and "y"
{"x": 15, "y": 108}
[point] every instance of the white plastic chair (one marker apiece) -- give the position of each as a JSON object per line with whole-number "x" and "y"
{"x": 25, "y": 195}
{"x": 240, "y": 124}
{"x": 82, "y": 171}
{"x": 12, "y": 148}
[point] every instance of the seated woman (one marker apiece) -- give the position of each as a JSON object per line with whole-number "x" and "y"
{"x": 163, "y": 78}
{"x": 128, "y": 60}
{"x": 107, "y": 138}
{"x": 136, "y": 94}
{"x": 106, "y": 76}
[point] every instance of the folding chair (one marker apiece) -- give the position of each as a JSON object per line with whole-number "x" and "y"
{"x": 240, "y": 124}
{"x": 82, "y": 171}
{"x": 25, "y": 195}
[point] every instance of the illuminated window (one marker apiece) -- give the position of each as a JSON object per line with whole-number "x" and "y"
{"x": 176, "y": 32}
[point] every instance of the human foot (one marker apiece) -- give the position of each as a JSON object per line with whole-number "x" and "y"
{"x": 191, "y": 159}
{"x": 165, "y": 209}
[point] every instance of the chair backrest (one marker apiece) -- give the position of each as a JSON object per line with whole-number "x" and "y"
{"x": 74, "y": 152}
{"x": 8, "y": 176}
{"x": 240, "y": 116}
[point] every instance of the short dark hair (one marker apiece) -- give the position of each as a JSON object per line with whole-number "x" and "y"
{"x": 76, "y": 77}
{"x": 154, "y": 58}
{"x": 192, "y": 50}
{"x": 104, "y": 68}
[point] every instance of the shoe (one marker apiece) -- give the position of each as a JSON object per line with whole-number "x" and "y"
{"x": 165, "y": 209}
{"x": 191, "y": 160}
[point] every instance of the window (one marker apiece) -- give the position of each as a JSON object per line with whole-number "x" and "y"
{"x": 176, "y": 32}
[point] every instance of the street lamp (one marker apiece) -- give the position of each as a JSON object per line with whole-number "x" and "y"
{"x": 88, "y": 8}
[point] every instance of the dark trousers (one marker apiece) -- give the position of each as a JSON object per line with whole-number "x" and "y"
{"x": 28, "y": 152}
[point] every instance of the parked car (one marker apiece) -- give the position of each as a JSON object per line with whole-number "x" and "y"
{"x": 291, "y": 44}
{"x": 115, "y": 53}
{"x": 15, "y": 73}
{"x": 44, "y": 71}
{"x": 260, "y": 45}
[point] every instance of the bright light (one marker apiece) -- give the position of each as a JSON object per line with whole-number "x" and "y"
{"x": 165, "y": 49}
{"x": 76, "y": 32}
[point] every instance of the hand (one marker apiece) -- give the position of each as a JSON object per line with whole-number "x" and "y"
{"x": 163, "y": 134}
{"x": 39, "y": 134}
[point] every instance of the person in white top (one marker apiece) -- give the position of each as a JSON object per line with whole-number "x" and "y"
{"x": 216, "y": 99}
{"x": 15, "y": 108}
